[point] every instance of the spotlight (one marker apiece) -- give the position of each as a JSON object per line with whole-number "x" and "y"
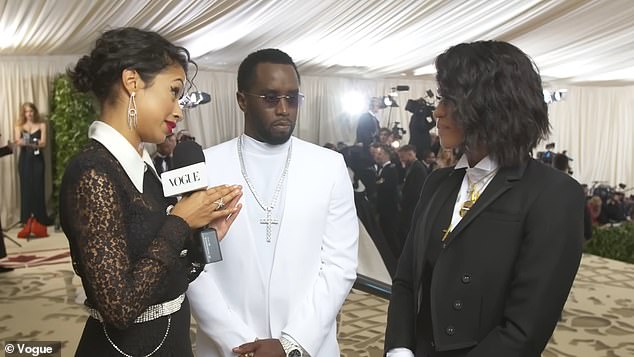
{"x": 354, "y": 102}
{"x": 547, "y": 96}
{"x": 556, "y": 95}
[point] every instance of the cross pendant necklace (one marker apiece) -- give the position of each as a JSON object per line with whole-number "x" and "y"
{"x": 268, "y": 220}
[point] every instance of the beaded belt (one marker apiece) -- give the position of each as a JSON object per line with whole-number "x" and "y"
{"x": 152, "y": 312}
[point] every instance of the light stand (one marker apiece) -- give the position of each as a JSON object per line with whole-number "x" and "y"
{"x": 6, "y": 236}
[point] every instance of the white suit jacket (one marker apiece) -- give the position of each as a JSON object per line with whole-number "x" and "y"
{"x": 314, "y": 266}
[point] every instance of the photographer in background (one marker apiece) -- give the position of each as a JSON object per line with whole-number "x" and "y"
{"x": 420, "y": 124}
{"x": 547, "y": 156}
{"x": 615, "y": 208}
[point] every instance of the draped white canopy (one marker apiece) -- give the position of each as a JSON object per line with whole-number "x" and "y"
{"x": 344, "y": 45}
{"x": 571, "y": 40}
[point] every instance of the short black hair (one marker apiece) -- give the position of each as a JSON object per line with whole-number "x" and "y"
{"x": 561, "y": 162}
{"x": 385, "y": 130}
{"x": 146, "y": 52}
{"x": 246, "y": 71}
{"x": 495, "y": 93}
{"x": 407, "y": 147}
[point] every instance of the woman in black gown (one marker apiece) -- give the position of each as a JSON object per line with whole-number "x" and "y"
{"x": 30, "y": 136}
{"x": 127, "y": 243}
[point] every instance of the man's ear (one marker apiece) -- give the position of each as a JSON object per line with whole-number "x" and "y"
{"x": 242, "y": 101}
{"x": 130, "y": 79}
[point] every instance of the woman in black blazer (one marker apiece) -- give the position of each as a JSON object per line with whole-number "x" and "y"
{"x": 496, "y": 240}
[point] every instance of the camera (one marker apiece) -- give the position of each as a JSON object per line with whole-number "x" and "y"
{"x": 419, "y": 106}
{"x": 398, "y": 131}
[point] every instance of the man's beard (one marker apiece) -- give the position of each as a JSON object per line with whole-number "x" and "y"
{"x": 268, "y": 136}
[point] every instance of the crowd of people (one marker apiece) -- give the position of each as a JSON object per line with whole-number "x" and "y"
{"x": 605, "y": 205}
{"x": 462, "y": 219}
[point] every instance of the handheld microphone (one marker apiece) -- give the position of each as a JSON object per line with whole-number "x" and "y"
{"x": 189, "y": 175}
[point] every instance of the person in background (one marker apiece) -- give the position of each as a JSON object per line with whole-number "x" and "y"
{"x": 369, "y": 125}
{"x": 561, "y": 162}
{"x": 4, "y": 151}
{"x": 429, "y": 161}
{"x": 184, "y": 135}
{"x": 490, "y": 261}
{"x": 386, "y": 137}
{"x": 446, "y": 158}
{"x": 163, "y": 156}
{"x": 331, "y": 146}
{"x": 133, "y": 252}
{"x": 388, "y": 196}
{"x": 31, "y": 137}
{"x": 594, "y": 206}
{"x": 415, "y": 175}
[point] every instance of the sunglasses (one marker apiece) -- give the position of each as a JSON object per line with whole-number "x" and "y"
{"x": 271, "y": 100}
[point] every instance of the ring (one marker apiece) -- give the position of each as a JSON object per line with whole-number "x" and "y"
{"x": 219, "y": 203}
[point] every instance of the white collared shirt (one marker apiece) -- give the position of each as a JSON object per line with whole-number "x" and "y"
{"x": 133, "y": 164}
{"x": 485, "y": 167}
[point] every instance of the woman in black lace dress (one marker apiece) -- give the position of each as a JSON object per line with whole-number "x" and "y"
{"x": 127, "y": 244}
{"x": 30, "y": 136}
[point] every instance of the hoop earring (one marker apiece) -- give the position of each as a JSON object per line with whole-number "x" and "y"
{"x": 132, "y": 114}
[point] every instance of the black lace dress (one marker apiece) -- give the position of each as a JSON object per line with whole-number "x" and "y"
{"x": 127, "y": 252}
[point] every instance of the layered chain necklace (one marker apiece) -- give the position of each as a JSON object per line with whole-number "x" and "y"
{"x": 268, "y": 220}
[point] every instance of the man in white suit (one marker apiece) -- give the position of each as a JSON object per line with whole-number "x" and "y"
{"x": 289, "y": 260}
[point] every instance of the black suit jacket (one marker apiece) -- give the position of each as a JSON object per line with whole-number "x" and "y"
{"x": 504, "y": 272}
{"x": 158, "y": 161}
{"x": 415, "y": 176}
{"x": 367, "y": 129}
{"x": 387, "y": 191}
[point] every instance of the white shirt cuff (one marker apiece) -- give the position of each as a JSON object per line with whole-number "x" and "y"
{"x": 400, "y": 352}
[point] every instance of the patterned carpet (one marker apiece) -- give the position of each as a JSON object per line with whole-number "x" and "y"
{"x": 42, "y": 300}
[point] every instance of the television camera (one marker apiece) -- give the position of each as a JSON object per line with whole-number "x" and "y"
{"x": 422, "y": 105}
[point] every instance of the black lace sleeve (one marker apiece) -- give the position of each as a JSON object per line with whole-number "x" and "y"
{"x": 121, "y": 289}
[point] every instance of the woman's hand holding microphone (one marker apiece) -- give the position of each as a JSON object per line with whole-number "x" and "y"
{"x": 216, "y": 206}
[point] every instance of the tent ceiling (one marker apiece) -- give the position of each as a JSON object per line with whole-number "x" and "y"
{"x": 572, "y": 41}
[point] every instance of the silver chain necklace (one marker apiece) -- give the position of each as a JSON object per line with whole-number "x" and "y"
{"x": 268, "y": 220}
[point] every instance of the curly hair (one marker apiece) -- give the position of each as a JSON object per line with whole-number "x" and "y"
{"x": 246, "y": 71}
{"x": 125, "y": 48}
{"x": 494, "y": 92}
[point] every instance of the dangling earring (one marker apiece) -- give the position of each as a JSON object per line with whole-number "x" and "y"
{"x": 132, "y": 115}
